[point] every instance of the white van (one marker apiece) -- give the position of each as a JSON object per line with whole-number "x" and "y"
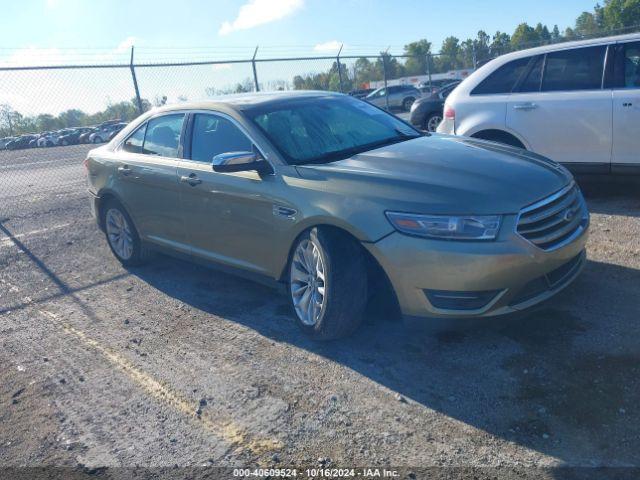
{"x": 577, "y": 103}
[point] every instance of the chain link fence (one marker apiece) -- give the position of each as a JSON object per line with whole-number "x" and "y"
{"x": 51, "y": 116}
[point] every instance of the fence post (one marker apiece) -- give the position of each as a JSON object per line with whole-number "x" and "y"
{"x": 255, "y": 72}
{"x": 339, "y": 68}
{"x": 135, "y": 83}
{"x": 384, "y": 76}
{"x": 429, "y": 71}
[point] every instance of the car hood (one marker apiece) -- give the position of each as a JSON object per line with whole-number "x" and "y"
{"x": 443, "y": 174}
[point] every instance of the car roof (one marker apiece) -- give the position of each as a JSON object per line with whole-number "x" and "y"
{"x": 242, "y": 101}
{"x": 568, "y": 45}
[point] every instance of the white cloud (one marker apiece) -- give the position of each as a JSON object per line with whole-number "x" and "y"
{"x": 52, "y": 3}
{"x": 259, "y": 12}
{"x": 332, "y": 46}
{"x": 126, "y": 44}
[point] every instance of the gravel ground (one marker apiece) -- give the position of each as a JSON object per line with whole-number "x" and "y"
{"x": 174, "y": 364}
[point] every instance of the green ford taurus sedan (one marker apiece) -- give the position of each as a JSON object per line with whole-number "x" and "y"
{"x": 340, "y": 201}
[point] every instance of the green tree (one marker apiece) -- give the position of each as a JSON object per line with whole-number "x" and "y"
{"x": 524, "y": 36}
{"x": 450, "y": 54}
{"x": 416, "y": 64}
{"x": 500, "y": 44}
{"x": 617, "y": 14}
{"x": 586, "y": 25}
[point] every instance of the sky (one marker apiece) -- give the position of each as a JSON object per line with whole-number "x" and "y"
{"x": 99, "y": 31}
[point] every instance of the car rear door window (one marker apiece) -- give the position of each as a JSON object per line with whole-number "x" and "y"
{"x": 632, "y": 65}
{"x": 503, "y": 79}
{"x": 531, "y": 82}
{"x": 213, "y": 135}
{"x": 163, "y": 135}
{"x": 576, "y": 69}
{"x": 134, "y": 142}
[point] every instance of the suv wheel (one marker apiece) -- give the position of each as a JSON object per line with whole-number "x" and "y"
{"x": 432, "y": 121}
{"x": 407, "y": 102}
{"x": 97, "y": 140}
{"x": 327, "y": 283}
{"x": 122, "y": 236}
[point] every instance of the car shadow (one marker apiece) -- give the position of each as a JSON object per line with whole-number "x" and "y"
{"x": 615, "y": 195}
{"x": 562, "y": 380}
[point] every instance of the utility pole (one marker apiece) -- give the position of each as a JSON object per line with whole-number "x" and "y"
{"x": 255, "y": 72}
{"x": 339, "y": 68}
{"x": 135, "y": 83}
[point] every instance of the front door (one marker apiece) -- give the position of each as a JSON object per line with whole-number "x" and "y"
{"x": 229, "y": 216}
{"x": 562, "y": 111}
{"x": 626, "y": 108}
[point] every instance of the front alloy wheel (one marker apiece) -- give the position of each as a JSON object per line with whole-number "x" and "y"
{"x": 308, "y": 282}
{"x": 327, "y": 283}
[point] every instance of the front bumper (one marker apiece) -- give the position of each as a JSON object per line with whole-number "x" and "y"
{"x": 510, "y": 273}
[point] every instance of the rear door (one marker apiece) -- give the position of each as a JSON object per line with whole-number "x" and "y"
{"x": 626, "y": 109}
{"x": 148, "y": 183}
{"x": 562, "y": 111}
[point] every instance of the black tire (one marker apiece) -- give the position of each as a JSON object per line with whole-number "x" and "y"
{"x": 97, "y": 140}
{"x": 345, "y": 295}
{"x": 407, "y": 102}
{"x": 429, "y": 119}
{"x": 141, "y": 254}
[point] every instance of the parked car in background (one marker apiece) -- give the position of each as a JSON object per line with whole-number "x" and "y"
{"x": 48, "y": 139}
{"x": 72, "y": 136}
{"x": 448, "y": 227}
{"x": 20, "y": 142}
{"x": 577, "y": 103}
{"x": 84, "y": 137}
{"x": 103, "y": 134}
{"x": 426, "y": 112}
{"x": 5, "y": 141}
{"x": 400, "y": 96}
{"x": 361, "y": 93}
{"x": 434, "y": 85}
{"x": 115, "y": 129}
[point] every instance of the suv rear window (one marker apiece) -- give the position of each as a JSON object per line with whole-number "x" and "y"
{"x": 577, "y": 69}
{"x": 503, "y": 79}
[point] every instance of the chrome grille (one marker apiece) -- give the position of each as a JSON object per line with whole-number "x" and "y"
{"x": 555, "y": 220}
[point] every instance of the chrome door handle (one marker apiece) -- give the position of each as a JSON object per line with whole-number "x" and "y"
{"x": 192, "y": 179}
{"x": 124, "y": 170}
{"x": 525, "y": 106}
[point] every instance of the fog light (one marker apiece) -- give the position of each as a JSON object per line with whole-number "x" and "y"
{"x": 452, "y": 300}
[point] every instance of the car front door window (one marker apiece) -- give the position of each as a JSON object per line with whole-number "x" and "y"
{"x": 213, "y": 135}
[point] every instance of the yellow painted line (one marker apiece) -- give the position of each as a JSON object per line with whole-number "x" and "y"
{"x": 238, "y": 437}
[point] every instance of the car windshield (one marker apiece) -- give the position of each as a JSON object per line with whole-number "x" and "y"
{"x": 326, "y": 129}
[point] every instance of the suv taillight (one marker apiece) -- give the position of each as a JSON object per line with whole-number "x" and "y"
{"x": 449, "y": 112}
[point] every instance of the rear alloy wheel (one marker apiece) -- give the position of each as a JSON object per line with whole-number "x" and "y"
{"x": 122, "y": 236}
{"x": 407, "y": 102}
{"x": 327, "y": 283}
{"x": 432, "y": 121}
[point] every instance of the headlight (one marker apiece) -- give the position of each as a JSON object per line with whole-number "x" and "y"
{"x": 449, "y": 227}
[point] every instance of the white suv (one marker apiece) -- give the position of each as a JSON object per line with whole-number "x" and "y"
{"x": 577, "y": 103}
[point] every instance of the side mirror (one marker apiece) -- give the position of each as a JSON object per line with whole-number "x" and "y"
{"x": 240, "y": 162}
